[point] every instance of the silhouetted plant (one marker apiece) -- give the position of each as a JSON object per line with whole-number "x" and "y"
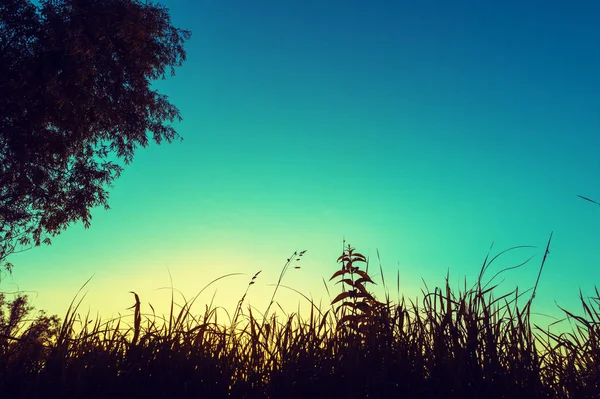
{"x": 76, "y": 103}
{"x": 465, "y": 344}
{"x": 362, "y": 306}
{"x": 24, "y": 341}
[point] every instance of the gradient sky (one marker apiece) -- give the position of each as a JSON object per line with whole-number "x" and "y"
{"x": 427, "y": 130}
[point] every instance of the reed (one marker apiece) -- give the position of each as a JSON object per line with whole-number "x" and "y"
{"x": 464, "y": 344}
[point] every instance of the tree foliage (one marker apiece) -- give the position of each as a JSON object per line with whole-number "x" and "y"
{"x": 75, "y": 103}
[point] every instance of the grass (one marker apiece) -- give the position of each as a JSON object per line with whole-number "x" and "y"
{"x": 465, "y": 344}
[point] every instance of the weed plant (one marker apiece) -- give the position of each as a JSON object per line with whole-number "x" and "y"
{"x": 465, "y": 344}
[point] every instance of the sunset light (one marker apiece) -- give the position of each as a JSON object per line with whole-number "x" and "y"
{"x": 428, "y": 136}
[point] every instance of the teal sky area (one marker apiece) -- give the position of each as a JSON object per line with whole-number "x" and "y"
{"x": 427, "y": 130}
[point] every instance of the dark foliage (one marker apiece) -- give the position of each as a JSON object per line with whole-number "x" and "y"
{"x": 75, "y": 103}
{"x": 467, "y": 344}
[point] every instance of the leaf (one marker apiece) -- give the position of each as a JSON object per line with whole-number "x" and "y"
{"x": 9, "y": 267}
{"x": 359, "y": 257}
{"x": 346, "y": 281}
{"x": 363, "y": 280}
{"x": 338, "y": 273}
{"x": 361, "y": 288}
{"x": 341, "y": 296}
{"x": 364, "y": 275}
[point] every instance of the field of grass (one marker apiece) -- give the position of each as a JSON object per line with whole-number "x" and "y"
{"x": 465, "y": 344}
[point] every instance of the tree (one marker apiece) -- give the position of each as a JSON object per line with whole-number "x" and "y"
{"x": 75, "y": 103}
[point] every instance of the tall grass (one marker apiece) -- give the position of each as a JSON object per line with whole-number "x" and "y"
{"x": 464, "y": 344}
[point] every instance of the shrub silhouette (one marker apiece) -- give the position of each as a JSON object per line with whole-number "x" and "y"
{"x": 465, "y": 344}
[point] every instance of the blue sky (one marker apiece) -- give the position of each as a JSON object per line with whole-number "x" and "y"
{"x": 427, "y": 130}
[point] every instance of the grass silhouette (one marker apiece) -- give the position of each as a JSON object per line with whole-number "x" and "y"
{"x": 465, "y": 344}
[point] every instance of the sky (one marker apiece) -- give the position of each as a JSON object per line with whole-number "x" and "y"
{"x": 423, "y": 130}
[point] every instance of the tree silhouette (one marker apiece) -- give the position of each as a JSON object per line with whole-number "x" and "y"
{"x": 75, "y": 104}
